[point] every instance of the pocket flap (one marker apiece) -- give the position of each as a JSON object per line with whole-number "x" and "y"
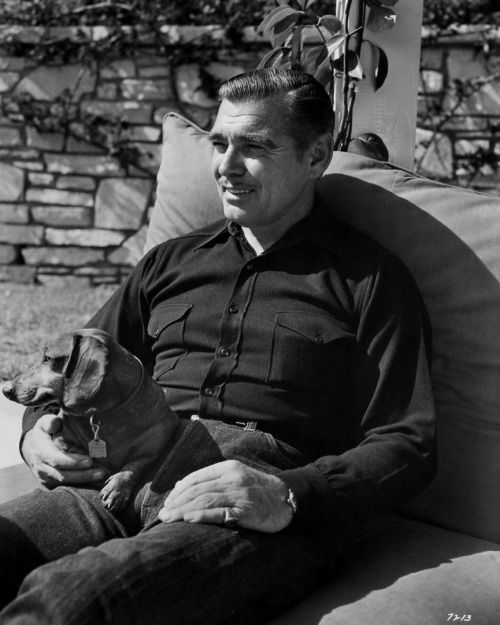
{"x": 164, "y": 315}
{"x": 316, "y": 327}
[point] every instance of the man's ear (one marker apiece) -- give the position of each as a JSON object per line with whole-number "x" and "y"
{"x": 84, "y": 371}
{"x": 320, "y": 155}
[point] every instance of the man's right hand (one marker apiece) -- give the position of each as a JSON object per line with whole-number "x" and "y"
{"x": 44, "y": 451}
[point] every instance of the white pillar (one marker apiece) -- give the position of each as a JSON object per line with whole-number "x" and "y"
{"x": 391, "y": 112}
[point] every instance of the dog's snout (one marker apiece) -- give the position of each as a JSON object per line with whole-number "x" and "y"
{"x": 8, "y": 390}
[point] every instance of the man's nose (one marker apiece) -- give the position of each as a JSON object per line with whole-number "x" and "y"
{"x": 231, "y": 162}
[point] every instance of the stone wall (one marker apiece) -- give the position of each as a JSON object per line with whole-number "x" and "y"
{"x": 70, "y": 210}
{"x": 67, "y": 207}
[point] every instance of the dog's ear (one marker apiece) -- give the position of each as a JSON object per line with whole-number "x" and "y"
{"x": 84, "y": 370}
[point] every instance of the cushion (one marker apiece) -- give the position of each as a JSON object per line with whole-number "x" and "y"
{"x": 408, "y": 573}
{"x": 447, "y": 237}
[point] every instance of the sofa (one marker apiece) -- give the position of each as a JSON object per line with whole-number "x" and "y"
{"x": 438, "y": 561}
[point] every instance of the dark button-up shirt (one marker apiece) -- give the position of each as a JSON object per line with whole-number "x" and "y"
{"x": 320, "y": 339}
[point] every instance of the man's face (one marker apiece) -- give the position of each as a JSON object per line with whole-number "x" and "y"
{"x": 262, "y": 180}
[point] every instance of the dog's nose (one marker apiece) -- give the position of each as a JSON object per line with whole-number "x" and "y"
{"x": 8, "y": 390}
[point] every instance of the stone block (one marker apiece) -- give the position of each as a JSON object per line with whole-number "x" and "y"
{"x": 69, "y": 256}
{"x": 12, "y": 186}
{"x": 52, "y": 141}
{"x": 19, "y": 235}
{"x": 80, "y": 146}
{"x": 29, "y": 165}
{"x": 137, "y": 89}
{"x": 107, "y": 91}
{"x": 154, "y": 71}
{"x": 121, "y": 202}
{"x": 8, "y": 254}
{"x": 98, "y": 271}
{"x": 62, "y": 216}
{"x": 12, "y": 63}
{"x": 62, "y": 282}
{"x": 190, "y": 88}
{"x": 19, "y": 153}
{"x": 131, "y": 251}
{"x": 58, "y": 196}
{"x": 20, "y": 274}
{"x": 145, "y": 133}
{"x": 10, "y": 136}
{"x": 82, "y": 165}
{"x": 132, "y": 112}
{"x": 14, "y": 213}
{"x": 118, "y": 69}
{"x": 93, "y": 237}
{"x": 150, "y": 157}
{"x": 8, "y": 80}
{"x": 82, "y": 183}
{"x": 47, "y": 82}
{"x": 41, "y": 180}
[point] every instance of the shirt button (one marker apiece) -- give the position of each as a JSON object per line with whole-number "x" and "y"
{"x": 209, "y": 391}
{"x": 233, "y": 309}
{"x": 250, "y": 267}
{"x": 319, "y": 339}
{"x": 224, "y": 352}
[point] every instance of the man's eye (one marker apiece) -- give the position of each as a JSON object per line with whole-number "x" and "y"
{"x": 254, "y": 148}
{"x": 219, "y": 146}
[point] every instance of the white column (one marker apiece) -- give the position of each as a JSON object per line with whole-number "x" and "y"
{"x": 390, "y": 112}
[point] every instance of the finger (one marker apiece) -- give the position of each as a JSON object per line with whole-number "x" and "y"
{"x": 52, "y": 476}
{"x": 214, "y": 516}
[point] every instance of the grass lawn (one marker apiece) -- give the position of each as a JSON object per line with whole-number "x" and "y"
{"x": 32, "y": 314}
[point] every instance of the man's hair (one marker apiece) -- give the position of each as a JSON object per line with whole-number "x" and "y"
{"x": 310, "y": 111}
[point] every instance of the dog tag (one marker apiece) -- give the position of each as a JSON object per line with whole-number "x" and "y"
{"x": 97, "y": 448}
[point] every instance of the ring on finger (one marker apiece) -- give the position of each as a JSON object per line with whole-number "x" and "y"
{"x": 230, "y": 517}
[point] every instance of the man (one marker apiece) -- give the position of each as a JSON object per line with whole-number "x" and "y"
{"x": 300, "y": 348}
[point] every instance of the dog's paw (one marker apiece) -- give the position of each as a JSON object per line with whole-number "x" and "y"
{"x": 116, "y": 492}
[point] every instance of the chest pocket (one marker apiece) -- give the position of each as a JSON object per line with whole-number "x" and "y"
{"x": 310, "y": 352}
{"x": 167, "y": 327}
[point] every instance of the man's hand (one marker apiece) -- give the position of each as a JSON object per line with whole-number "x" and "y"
{"x": 46, "y": 453}
{"x": 257, "y": 499}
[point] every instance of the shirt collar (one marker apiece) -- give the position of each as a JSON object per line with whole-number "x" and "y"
{"x": 319, "y": 226}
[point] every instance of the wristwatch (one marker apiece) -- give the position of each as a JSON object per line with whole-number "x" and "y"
{"x": 291, "y": 500}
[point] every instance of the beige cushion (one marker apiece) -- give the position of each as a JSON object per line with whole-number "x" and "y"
{"x": 409, "y": 573}
{"x": 449, "y": 238}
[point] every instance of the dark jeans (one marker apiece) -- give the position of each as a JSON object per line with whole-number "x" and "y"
{"x": 71, "y": 562}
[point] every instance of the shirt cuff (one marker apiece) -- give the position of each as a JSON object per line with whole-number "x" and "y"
{"x": 314, "y": 497}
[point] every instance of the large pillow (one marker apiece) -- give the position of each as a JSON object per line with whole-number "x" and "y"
{"x": 449, "y": 238}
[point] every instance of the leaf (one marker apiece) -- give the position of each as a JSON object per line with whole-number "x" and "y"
{"x": 324, "y": 74}
{"x": 313, "y": 57}
{"x": 273, "y": 58}
{"x": 296, "y": 46}
{"x": 354, "y": 68}
{"x": 381, "y": 18}
{"x": 331, "y": 23}
{"x": 285, "y": 24}
{"x": 334, "y": 43}
{"x": 281, "y": 39}
{"x": 381, "y": 66}
{"x": 277, "y": 14}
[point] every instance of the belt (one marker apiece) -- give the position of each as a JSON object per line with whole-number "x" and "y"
{"x": 249, "y": 426}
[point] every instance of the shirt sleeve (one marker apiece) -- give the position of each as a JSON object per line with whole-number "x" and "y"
{"x": 394, "y": 410}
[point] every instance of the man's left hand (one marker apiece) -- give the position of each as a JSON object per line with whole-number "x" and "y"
{"x": 257, "y": 499}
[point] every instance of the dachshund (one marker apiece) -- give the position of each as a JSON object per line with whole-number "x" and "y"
{"x": 111, "y": 408}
